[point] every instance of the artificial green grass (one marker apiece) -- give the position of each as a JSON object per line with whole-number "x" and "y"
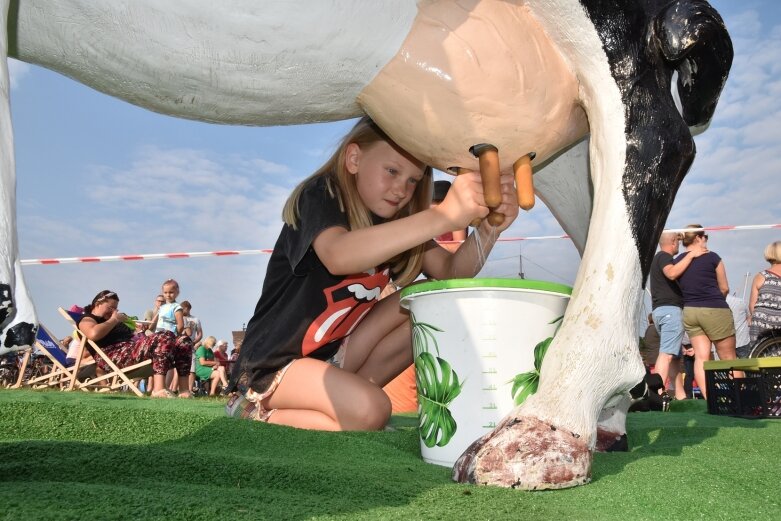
{"x": 92, "y": 456}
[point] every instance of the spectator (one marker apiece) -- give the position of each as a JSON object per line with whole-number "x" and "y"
{"x": 104, "y": 324}
{"x": 740, "y": 317}
{"x": 193, "y": 328}
{"x": 207, "y": 368}
{"x": 651, "y": 341}
{"x": 170, "y": 321}
{"x": 688, "y": 367}
{"x": 706, "y": 314}
{"x": 71, "y": 345}
{"x": 765, "y": 301}
{"x": 221, "y": 354}
{"x": 667, "y": 304}
{"x": 150, "y": 314}
{"x": 235, "y": 353}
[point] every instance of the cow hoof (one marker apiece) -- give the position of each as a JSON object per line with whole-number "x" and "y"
{"x": 611, "y": 442}
{"x": 528, "y": 454}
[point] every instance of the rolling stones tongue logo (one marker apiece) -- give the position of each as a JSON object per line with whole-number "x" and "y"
{"x": 347, "y": 302}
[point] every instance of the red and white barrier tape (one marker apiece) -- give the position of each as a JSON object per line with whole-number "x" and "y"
{"x": 224, "y": 253}
{"x": 144, "y": 256}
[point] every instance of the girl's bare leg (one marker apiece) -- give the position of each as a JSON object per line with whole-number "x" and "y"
{"x": 317, "y": 395}
{"x": 158, "y": 382}
{"x": 380, "y": 348}
{"x": 701, "y": 345}
{"x": 184, "y": 386}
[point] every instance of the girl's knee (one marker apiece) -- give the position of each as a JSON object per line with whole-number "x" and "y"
{"x": 374, "y": 411}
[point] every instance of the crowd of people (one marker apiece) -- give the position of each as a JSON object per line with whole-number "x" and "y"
{"x": 169, "y": 336}
{"x": 694, "y": 316}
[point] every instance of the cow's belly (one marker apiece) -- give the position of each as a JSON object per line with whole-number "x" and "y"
{"x": 486, "y": 74}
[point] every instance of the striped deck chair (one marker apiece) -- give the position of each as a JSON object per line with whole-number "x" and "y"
{"x": 61, "y": 375}
{"x": 118, "y": 377}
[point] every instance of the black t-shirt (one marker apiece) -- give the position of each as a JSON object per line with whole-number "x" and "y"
{"x": 120, "y": 333}
{"x": 303, "y": 309}
{"x": 664, "y": 292}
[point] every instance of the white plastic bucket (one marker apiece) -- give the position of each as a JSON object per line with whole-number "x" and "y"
{"x": 481, "y": 332}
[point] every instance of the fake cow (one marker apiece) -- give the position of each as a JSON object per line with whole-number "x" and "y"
{"x": 439, "y": 77}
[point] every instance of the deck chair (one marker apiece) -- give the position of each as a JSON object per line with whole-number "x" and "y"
{"x": 61, "y": 375}
{"x": 117, "y": 378}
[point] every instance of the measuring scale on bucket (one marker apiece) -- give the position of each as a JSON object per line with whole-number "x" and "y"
{"x": 471, "y": 337}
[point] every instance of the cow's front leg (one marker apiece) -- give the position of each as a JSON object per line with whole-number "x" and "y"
{"x": 17, "y": 316}
{"x": 548, "y": 441}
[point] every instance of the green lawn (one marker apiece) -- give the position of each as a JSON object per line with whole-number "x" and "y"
{"x": 92, "y": 456}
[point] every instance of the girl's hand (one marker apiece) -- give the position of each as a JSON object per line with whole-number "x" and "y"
{"x": 509, "y": 205}
{"x": 464, "y": 201}
{"x": 119, "y": 317}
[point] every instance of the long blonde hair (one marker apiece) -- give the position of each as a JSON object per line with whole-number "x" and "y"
{"x": 342, "y": 185}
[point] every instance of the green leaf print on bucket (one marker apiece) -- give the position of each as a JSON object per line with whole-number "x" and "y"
{"x": 437, "y": 384}
{"x": 525, "y": 384}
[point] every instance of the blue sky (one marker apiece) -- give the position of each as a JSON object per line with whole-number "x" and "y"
{"x": 97, "y": 176}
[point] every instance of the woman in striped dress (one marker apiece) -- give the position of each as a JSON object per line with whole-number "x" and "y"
{"x": 765, "y": 301}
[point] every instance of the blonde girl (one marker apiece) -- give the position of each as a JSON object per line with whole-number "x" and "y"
{"x": 321, "y": 344}
{"x": 169, "y": 322}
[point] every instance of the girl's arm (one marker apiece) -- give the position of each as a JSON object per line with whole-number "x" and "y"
{"x": 179, "y": 315}
{"x": 345, "y": 252}
{"x": 721, "y": 278}
{"x": 759, "y": 279}
{"x": 470, "y": 257}
{"x": 153, "y": 323}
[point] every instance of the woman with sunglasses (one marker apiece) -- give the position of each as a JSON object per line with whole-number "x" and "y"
{"x": 706, "y": 315}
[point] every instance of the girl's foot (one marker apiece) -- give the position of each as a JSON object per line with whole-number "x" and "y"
{"x": 162, "y": 393}
{"x": 185, "y": 394}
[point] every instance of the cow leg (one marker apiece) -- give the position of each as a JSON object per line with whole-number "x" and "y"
{"x": 547, "y": 442}
{"x": 17, "y": 316}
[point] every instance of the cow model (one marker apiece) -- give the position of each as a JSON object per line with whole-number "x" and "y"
{"x": 581, "y": 83}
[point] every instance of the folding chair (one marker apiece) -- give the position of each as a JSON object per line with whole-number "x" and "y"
{"x": 60, "y": 373}
{"x": 116, "y": 378}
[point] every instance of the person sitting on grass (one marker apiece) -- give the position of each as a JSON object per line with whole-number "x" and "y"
{"x": 207, "y": 368}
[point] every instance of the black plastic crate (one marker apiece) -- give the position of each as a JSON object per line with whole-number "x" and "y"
{"x": 756, "y": 395}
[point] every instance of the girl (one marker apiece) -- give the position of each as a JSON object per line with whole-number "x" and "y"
{"x": 104, "y": 324}
{"x": 169, "y": 322}
{"x": 320, "y": 345}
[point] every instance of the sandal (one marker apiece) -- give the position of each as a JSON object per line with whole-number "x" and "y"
{"x": 162, "y": 393}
